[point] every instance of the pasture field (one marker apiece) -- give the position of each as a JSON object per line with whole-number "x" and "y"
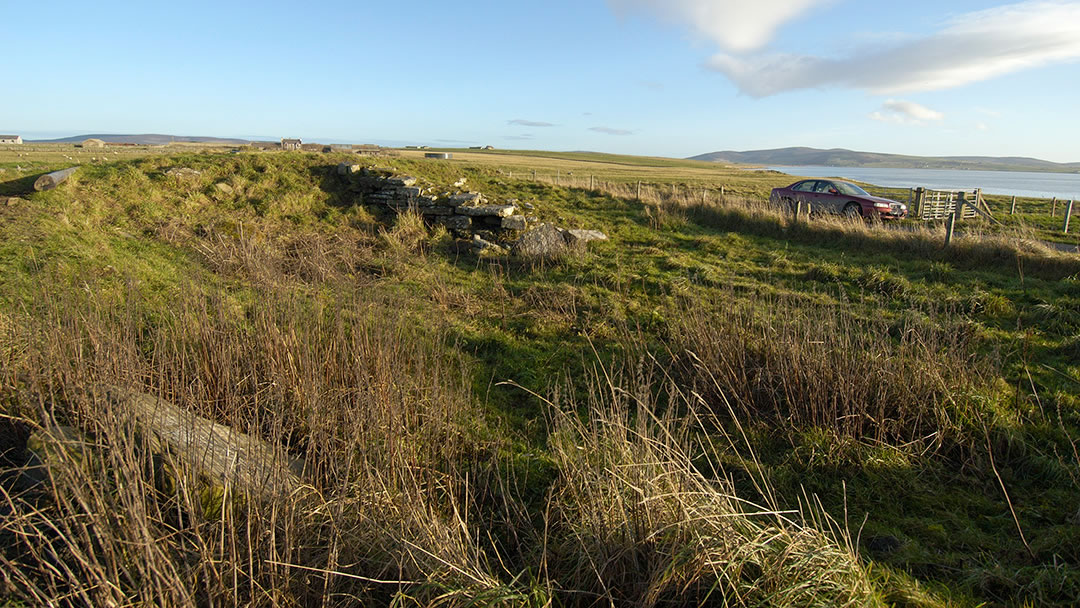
{"x": 718, "y": 405}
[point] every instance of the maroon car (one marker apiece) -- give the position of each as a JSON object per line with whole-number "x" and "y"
{"x": 835, "y": 196}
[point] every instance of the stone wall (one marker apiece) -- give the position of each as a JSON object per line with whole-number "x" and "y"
{"x": 492, "y": 225}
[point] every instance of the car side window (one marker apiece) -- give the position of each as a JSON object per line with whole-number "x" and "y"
{"x": 804, "y": 186}
{"x": 823, "y": 187}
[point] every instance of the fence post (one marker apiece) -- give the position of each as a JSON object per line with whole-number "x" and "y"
{"x": 798, "y": 209}
{"x": 558, "y": 176}
{"x": 534, "y": 175}
{"x": 950, "y": 226}
{"x": 1068, "y": 215}
{"x": 591, "y": 183}
{"x": 920, "y": 200}
{"x": 1053, "y": 207}
{"x": 1012, "y": 210}
{"x": 638, "y": 191}
{"x": 723, "y": 196}
{"x": 704, "y": 195}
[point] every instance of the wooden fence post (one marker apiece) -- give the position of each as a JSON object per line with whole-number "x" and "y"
{"x": 591, "y": 183}
{"x": 534, "y": 175}
{"x": 558, "y": 175}
{"x": 639, "y": 191}
{"x": 1068, "y": 215}
{"x": 1012, "y": 210}
{"x": 704, "y": 196}
{"x": 723, "y": 196}
{"x": 920, "y": 200}
{"x": 950, "y": 226}
{"x": 1053, "y": 207}
{"x": 798, "y": 209}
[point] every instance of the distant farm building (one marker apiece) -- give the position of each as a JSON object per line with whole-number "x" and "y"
{"x": 92, "y": 143}
{"x": 11, "y": 139}
{"x": 291, "y": 144}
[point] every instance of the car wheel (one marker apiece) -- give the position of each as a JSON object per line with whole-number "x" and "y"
{"x": 852, "y": 211}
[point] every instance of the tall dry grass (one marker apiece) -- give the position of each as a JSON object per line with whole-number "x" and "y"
{"x": 402, "y": 500}
{"x": 804, "y": 366}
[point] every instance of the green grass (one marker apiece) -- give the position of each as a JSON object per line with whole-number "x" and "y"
{"x": 258, "y": 289}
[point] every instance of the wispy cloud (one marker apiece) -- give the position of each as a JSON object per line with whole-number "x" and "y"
{"x": 906, "y": 112}
{"x": 521, "y": 122}
{"x": 522, "y": 137}
{"x": 969, "y": 48}
{"x": 611, "y": 131}
{"x": 735, "y": 26}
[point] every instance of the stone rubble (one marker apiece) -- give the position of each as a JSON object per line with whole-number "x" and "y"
{"x": 493, "y": 227}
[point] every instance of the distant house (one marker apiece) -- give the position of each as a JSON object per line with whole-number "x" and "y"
{"x": 11, "y": 139}
{"x": 489, "y": 147}
{"x": 291, "y": 144}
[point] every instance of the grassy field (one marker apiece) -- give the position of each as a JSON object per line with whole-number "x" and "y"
{"x": 718, "y": 405}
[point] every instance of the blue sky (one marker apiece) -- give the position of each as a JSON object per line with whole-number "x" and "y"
{"x": 658, "y": 77}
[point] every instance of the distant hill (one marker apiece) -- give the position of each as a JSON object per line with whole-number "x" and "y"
{"x": 146, "y": 139}
{"x": 839, "y": 157}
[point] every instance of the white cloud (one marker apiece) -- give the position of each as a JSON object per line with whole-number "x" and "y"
{"x": 906, "y": 112}
{"x": 733, "y": 24}
{"x": 982, "y": 126}
{"x": 611, "y": 131}
{"x": 521, "y": 122}
{"x": 970, "y": 48}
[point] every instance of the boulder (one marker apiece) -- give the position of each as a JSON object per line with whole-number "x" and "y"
{"x": 543, "y": 241}
{"x": 347, "y": 169}
{"x": 492, "y": 210}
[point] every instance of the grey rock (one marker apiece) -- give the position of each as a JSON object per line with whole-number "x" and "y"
{"x": 575, "y": 236}
{"x": 493, "y": 210}
{"x": 224, "y": 188}
{"x": 455, "y": 222}
{"x": 543, "y": 241}
{"x": 183, "y": 173}
{"x": 485, "y": 247}
{"x": 514, "y": 222}
{"x": 436, "y": 210}
{"x": 412, "y": 192}
{"x": 528, "y": 206}
{"x": 464, "y": 198}
{"x": 402, "y": 181}
{"x": 347, "y": 169}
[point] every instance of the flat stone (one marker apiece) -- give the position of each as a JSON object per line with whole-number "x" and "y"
{"x": 514, "y": 222}
{"x": 464, "y": 198}
{"x": 412, "y": 192}
{"x": 436, "y": 210}
{"x": 485, "y": 247}
{"x": 455, "y": 222}
{"x": 224, "y": 188}
{"x": 576, "y": 236}
{"x": 544, "y": 241}
{"x": 493, "y": 210}
{"x": 403, "y": 181}
{"x": 183, "y": 172}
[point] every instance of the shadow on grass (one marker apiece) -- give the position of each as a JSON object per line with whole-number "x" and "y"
{"x": 22, "y": 186}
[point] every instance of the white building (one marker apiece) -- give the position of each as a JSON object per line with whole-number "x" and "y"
{"x": 10, "y": 139}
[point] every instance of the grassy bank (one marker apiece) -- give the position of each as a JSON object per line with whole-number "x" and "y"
{"x": 717, "y": 405}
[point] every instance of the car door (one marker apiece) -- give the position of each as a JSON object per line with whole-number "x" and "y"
{"x": 804, "y": 191}
{"x": 827, "y": 197}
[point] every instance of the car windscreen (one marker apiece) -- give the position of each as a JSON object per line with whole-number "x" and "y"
{"x": 850, "y": 189}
